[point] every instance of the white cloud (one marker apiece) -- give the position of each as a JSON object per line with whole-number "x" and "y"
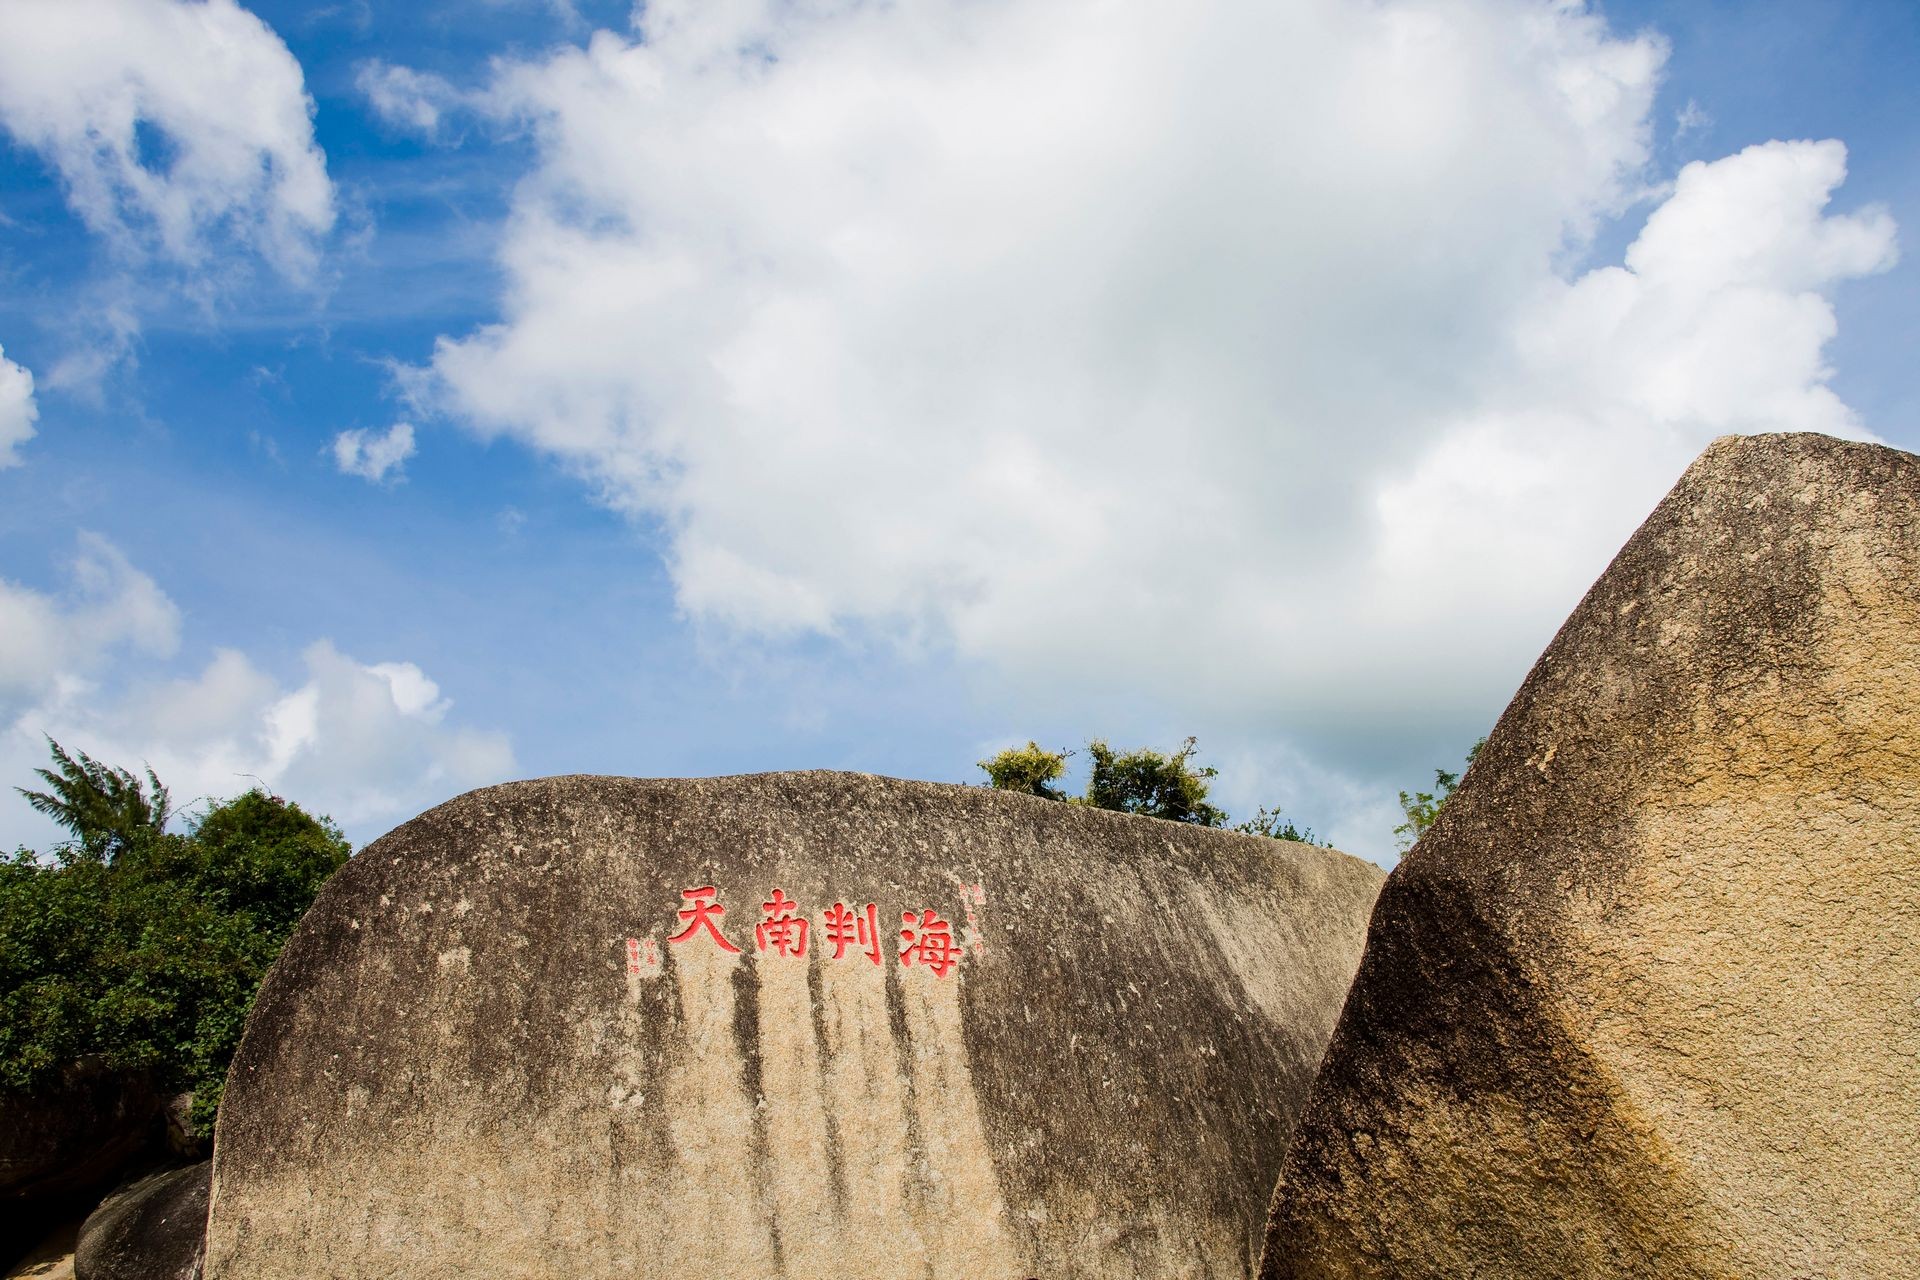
{"x": 1223, "y": 356}
{"x": 170, "y": 121}
{"x": 367, "y": 743}
{"x": 17, "y": 409}
{"x": 103, "y": 332}
{"x": 408, "y": 100}
{"x": 107, "y": 607}
{"x": 1690, "y": 119}
{"x": 374, "y": 457}
{"x": 1615, "y": 380}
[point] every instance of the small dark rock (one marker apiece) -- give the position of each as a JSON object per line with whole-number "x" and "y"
{"x": 151, "y": 1229}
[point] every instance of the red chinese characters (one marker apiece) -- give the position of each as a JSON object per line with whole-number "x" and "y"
{"x": 971, "y": 896}
{"x": 701, "y": 915}
{"x": 925, "y": 938}
{"x": 929, "y": 939}
{"x": 846, "y": 929}
{"x": 782, "y": 932}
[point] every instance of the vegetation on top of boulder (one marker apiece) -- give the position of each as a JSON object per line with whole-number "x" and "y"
{"x": 1272, "y": 824}
{"x": 1144, "y": 781}
{"x": 1173, "y": 787}
{"x": 1031, "y": 770}
{"x": 1158, "y": 786}
{"x": 139, "y": 948}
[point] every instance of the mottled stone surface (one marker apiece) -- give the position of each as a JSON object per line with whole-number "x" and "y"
{"x": 481, "y": 1054}
{"x": 1646, "y": 999}
{"x": 150, "y": 1229}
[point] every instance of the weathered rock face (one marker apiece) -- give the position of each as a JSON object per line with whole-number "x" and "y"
{"x": 572, "y": 1027}
{"x": 152, "y": 1229}
{"x": 1646, "y": 999}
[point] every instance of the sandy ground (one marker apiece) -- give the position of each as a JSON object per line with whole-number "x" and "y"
{"x": 52, "y": 1258}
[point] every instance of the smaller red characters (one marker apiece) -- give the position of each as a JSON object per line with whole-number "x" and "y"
{"x": 633, "y": 956}
{"x": 782, "y": 932}
{"x": 860, "y": 931}
{"x": 701, "y": 915}
{"x": 928, "y": 939}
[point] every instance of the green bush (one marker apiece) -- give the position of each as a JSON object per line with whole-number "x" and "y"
{"x": 142, "y": 948}
{"x": 1030, "y": 770}
{"x": 1271, "y": 824}
{"x": 1144, "y": 782}
{"x": 1149, "y": 783}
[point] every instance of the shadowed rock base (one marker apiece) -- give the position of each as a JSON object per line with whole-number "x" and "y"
{"x": 63, "y": 1146}
{"x": 1643, "y": 1001}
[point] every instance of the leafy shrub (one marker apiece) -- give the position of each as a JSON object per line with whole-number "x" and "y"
{"x": 1030, "y": 770}
{"x": 1144, "y": 782}
{"x": 141, "y": 948}
{"x": 1156, "y": 785}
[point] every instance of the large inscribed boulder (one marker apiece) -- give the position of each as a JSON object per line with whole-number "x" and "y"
{"x": 803, "y": 1024}
{"x": 1645, "y": 1001}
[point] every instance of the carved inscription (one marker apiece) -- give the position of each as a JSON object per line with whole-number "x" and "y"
{"x": 925, "y": 937}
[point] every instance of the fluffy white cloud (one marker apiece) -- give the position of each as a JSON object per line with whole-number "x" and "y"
{"x": 374, "y": 457}
{"x": 48, "y": 642}
{"x": 17, "y": 409}
{"x": 1228, "y": 355}
{"x": 1612, "y": 382}
{"x": 368, "y": 743}
{"x": 408, "y": 100}
{"x": 169, "y": 121}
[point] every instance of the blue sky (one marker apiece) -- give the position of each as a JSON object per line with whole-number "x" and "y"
{"x": 859, "y": 387}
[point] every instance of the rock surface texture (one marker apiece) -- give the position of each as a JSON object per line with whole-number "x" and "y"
{"x": 483, "y": 1052}
{"x": 152, "y": 1229}
{"x": 1645, "y": 1001}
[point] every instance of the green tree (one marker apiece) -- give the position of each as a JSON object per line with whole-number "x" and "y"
{"x": 143, "y": 948}
{"x": 1031, "y": 770}
{"x": 107, "y": 810}
{"x": 1158, "y": 786}
{"x": 1144, "y": 781}
{"x": 1421, "y": 808}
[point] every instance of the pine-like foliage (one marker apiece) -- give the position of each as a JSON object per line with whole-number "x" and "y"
{"x": 107, "y": 810}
